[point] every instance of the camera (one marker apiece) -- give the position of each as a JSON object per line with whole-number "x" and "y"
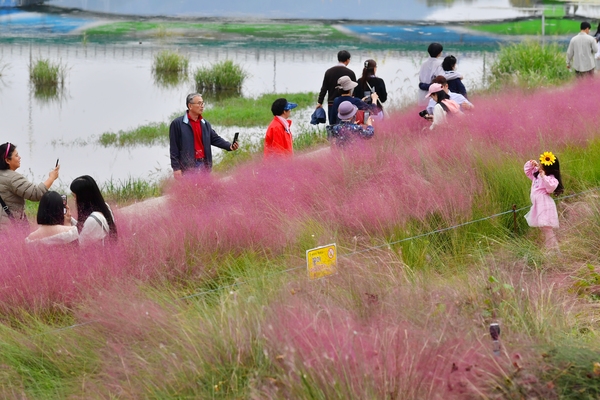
{"x": 423, "y": 113}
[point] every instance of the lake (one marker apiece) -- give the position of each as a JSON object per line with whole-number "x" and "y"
{"x": 110, "y": 87}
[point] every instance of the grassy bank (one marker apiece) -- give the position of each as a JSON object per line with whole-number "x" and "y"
{"x": 234, "y": 111}
{"x": 531, "y": 27}
{"x": 207, "y": 296}
{"x": 289, "y": 31}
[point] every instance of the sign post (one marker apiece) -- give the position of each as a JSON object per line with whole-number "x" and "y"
{"x": 321, "y": 261}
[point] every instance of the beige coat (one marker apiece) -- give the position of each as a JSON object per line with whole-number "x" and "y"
{"x": 14, "y": 189}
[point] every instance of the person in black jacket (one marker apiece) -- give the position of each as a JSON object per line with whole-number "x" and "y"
{"x": 330, "y": 81}
{"x": 191, "y": 138}
{"x": 368, "y": 83}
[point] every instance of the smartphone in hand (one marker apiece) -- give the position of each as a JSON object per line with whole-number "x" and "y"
{"x": 367, "y": 115}
{"x": 64, "y": 200}
{"x": 235, "y": 137}
{"x": 56, "y": 163}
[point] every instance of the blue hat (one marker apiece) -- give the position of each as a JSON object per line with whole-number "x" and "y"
{"x": 289, "y": 106}
{"x": 318, "y": 117}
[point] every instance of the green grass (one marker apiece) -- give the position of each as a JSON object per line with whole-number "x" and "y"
{"x": 47, "y": 79}
{"x": 242, "y": 111}
{"x": 44, "y": 72}
{"x": 529, "y": 64}
{"x": 168, "y": 61}
{"x": 142, "y": 135}
{"x": 123, "y": 192}
{"x": 222, "y": 76}
{"x": 554, "y": 26}
{"x": 234, "y": 111}
{"x": 170, "y": 68}
{"x": 275, "y": 30}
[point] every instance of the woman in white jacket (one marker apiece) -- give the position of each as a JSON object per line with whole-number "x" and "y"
{"x": 443, "y": 105}
{"x": 95, "y": 221}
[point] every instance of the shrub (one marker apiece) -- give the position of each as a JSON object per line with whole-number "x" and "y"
{"x": 47, "y": 78}
{"x": 168, "y": 61}
{"x": 170, "y": 68}
{"x": 221, "y": 76}
{"x": 45, "y": 73}
{"x": 530, "y": 64}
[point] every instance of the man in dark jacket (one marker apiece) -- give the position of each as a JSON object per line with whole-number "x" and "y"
{"x": 191, "y": 138}
{"x": 330, "y": 81}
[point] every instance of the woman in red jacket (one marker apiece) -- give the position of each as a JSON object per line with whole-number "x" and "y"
{"x": 278, "y": 140}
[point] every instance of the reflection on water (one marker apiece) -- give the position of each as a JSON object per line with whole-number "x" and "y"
{"x": 111, "y": 87}
{"x": 388, "y": 10}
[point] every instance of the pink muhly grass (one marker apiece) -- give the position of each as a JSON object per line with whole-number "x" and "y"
{"x": 405, "y": 173}
{"x": 342, "y": 357}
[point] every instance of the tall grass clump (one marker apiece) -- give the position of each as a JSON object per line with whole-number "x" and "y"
{"x": 170, "y": 68}
{"x": 222, "y": 76}
{"x": 530, "y": 64}
{"x": 47, "y": 78}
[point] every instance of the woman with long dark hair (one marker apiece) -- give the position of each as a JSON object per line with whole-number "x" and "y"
{"x": 54, "y": 222}
{"x": 368, "y": 84}
{"x": 15, "y": 188}
{"x": 443, "y": 104}
{"x": 95, "y": 219}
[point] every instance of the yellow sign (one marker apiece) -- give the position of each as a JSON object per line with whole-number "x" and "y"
{"x": 321, "y": 261}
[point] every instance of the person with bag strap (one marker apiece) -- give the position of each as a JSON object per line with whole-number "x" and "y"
{"x": 15, "y": 188}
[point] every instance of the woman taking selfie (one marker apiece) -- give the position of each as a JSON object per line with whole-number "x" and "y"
{"x": 15, "y": 188}
{"x": 95, "y": 221}
{"x": 54, "y": 220}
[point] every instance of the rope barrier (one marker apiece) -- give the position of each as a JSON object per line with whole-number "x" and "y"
{"x": 514, "y": 210}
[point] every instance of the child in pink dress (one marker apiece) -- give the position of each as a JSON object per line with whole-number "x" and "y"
{"x": 545, "y": 177}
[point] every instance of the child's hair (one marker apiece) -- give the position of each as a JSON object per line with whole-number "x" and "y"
{"x": 449, "y": 63}
{"x": 553, "y": 170}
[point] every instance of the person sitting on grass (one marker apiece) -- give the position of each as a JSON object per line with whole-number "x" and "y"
{"x": 279, "y": 140}
{"x": 348, "y": 129}
{"x": 54, "y": 220}
{"x": 95, "y": 219}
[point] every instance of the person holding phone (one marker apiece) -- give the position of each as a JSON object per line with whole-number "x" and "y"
{"x": 348, "y": 129}
{"x": 191, "y": 138}
{"x": 54, "y": 222}
{"x": 279, "y": 139}
{"x": 15, "y": 188}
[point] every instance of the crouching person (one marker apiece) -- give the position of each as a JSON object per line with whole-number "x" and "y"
{"x": 348, "y": 129}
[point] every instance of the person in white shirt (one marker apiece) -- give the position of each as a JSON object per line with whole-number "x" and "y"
{"x": 581, "y": 52}
{"x": 462, "y": 101}
{"x": 54, "y": 222}
{"x": 443, "y": 106}
{"x": 95, "y": 221}
{"x": 431, "y": 68}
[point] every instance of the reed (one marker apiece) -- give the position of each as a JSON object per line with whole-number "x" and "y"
{"x": 529, "y": 64}
{"x": 222, "y": 76}
{"x": 46, "y": 73}
{"x": 168, "y": 61}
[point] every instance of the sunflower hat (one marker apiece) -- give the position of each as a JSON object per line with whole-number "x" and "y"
{"x": 547, "y": 158}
